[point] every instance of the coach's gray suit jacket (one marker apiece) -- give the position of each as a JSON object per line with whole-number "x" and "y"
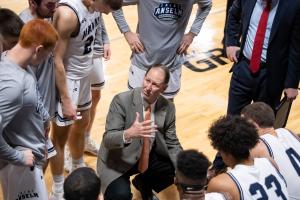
{"x": 115, "y": 158}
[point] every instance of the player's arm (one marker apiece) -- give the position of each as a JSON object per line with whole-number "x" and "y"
{"x": 223, "y": 184}
{"x": 204, "y": 6}
{"x": 65, "y": 22}
{"x": 132, "y": 39}
{"x": 261, "y": 151}
{"x": 105, "y": 41}
{"x": 11, "y": 101}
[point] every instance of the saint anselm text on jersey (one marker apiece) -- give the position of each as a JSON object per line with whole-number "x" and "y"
{"x": 168, "y": 11}
{"x": 91, "y": 27}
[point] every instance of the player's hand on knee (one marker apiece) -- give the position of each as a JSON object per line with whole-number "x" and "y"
{"x": 231, "y": 52}
{"x": 68, "y": 109}
{"x": 134, "y": 42}
{"x": 185, "y": 42}
{"x": 28, "y": 157}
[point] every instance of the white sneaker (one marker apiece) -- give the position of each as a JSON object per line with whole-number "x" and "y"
{"x": 67, "y": 160}
{"x": 57, "y": 193}
{"x": 56, "y": 196}
{"x": 91, "y": 146}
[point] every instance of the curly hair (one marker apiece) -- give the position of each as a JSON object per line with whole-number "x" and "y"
{"x": 260, "y": 113}
{"x": 193, "y": 164}
{"x": 233, "y": 135}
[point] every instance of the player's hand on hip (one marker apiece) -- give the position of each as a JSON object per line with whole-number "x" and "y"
{"x": 107, "y": 51}
{"x": 28, "y": 157}
{"x": 140, "y": 129}
{"x": 185, "y": 42}
{"x": 134, "y": 42}
{"x": 291, "y": 93}
{"x": 231, "y": 52}
{"x": 68, "y": 109}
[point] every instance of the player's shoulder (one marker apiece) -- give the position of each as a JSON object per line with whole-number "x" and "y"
{"x": 65, "y": 20}
{"x": 218, "y": 182}
{"x": 223, "y": 183}
{"x": 65, "y": 13}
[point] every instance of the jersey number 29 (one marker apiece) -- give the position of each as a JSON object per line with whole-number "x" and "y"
{"x": 88, "y": 45}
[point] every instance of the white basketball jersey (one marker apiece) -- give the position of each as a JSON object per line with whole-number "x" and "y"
{"x": 285, "y": 150}
{"x": 78, "y": 58}
{"x": 259, "y": 181}
{"x": 214, "y": 196}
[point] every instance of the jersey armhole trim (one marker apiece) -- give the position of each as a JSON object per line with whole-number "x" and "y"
{"x": 268, "y": 147}
{"x": 74, "y": 34}
{"x": 237, "y": 184}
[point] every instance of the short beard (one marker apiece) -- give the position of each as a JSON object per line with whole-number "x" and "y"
{"x": 39, "y": 15}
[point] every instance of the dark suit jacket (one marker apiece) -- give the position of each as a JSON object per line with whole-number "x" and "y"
{"x": 283, "y": 54}
{"x": 115, "y": 158}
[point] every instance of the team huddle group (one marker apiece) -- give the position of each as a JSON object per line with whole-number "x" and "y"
{"x": 51, "y": 76}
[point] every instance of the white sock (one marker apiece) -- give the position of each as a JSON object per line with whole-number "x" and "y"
{"x": 77, "y": 161}
{"x": 58, "y": 182}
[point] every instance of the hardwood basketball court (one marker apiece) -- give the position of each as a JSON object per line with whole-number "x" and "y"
{"x": 204, "y": 90}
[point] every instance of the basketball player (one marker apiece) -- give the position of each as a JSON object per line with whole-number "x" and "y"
{"x": 101, "y": 50}
{"x": 280, "y": 144}
{"x": 76, "y": 22}
{"x": 22, "y": 140}
{"x": 249, "y": 178}
{"x": 160, "y": 37}
{"x": 191, "y": 177}
{"x": 45, "y": 71}
{"x": 39, "y": 9}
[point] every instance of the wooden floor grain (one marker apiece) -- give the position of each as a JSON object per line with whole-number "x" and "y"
{"x": 203, "y": 95}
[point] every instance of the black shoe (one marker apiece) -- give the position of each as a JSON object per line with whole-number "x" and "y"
{"x": 144, "y": 189}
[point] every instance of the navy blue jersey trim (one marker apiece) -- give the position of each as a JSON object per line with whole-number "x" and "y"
{"x": 84, "y": 105}
{"x": 98, "y": 84}
{"x": 75, "y": 34}
{"x": 237, "y": 184}
{"x": 268, "y": 147}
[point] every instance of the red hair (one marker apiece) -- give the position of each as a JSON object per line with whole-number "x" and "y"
{"x": 38, "y": 32}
